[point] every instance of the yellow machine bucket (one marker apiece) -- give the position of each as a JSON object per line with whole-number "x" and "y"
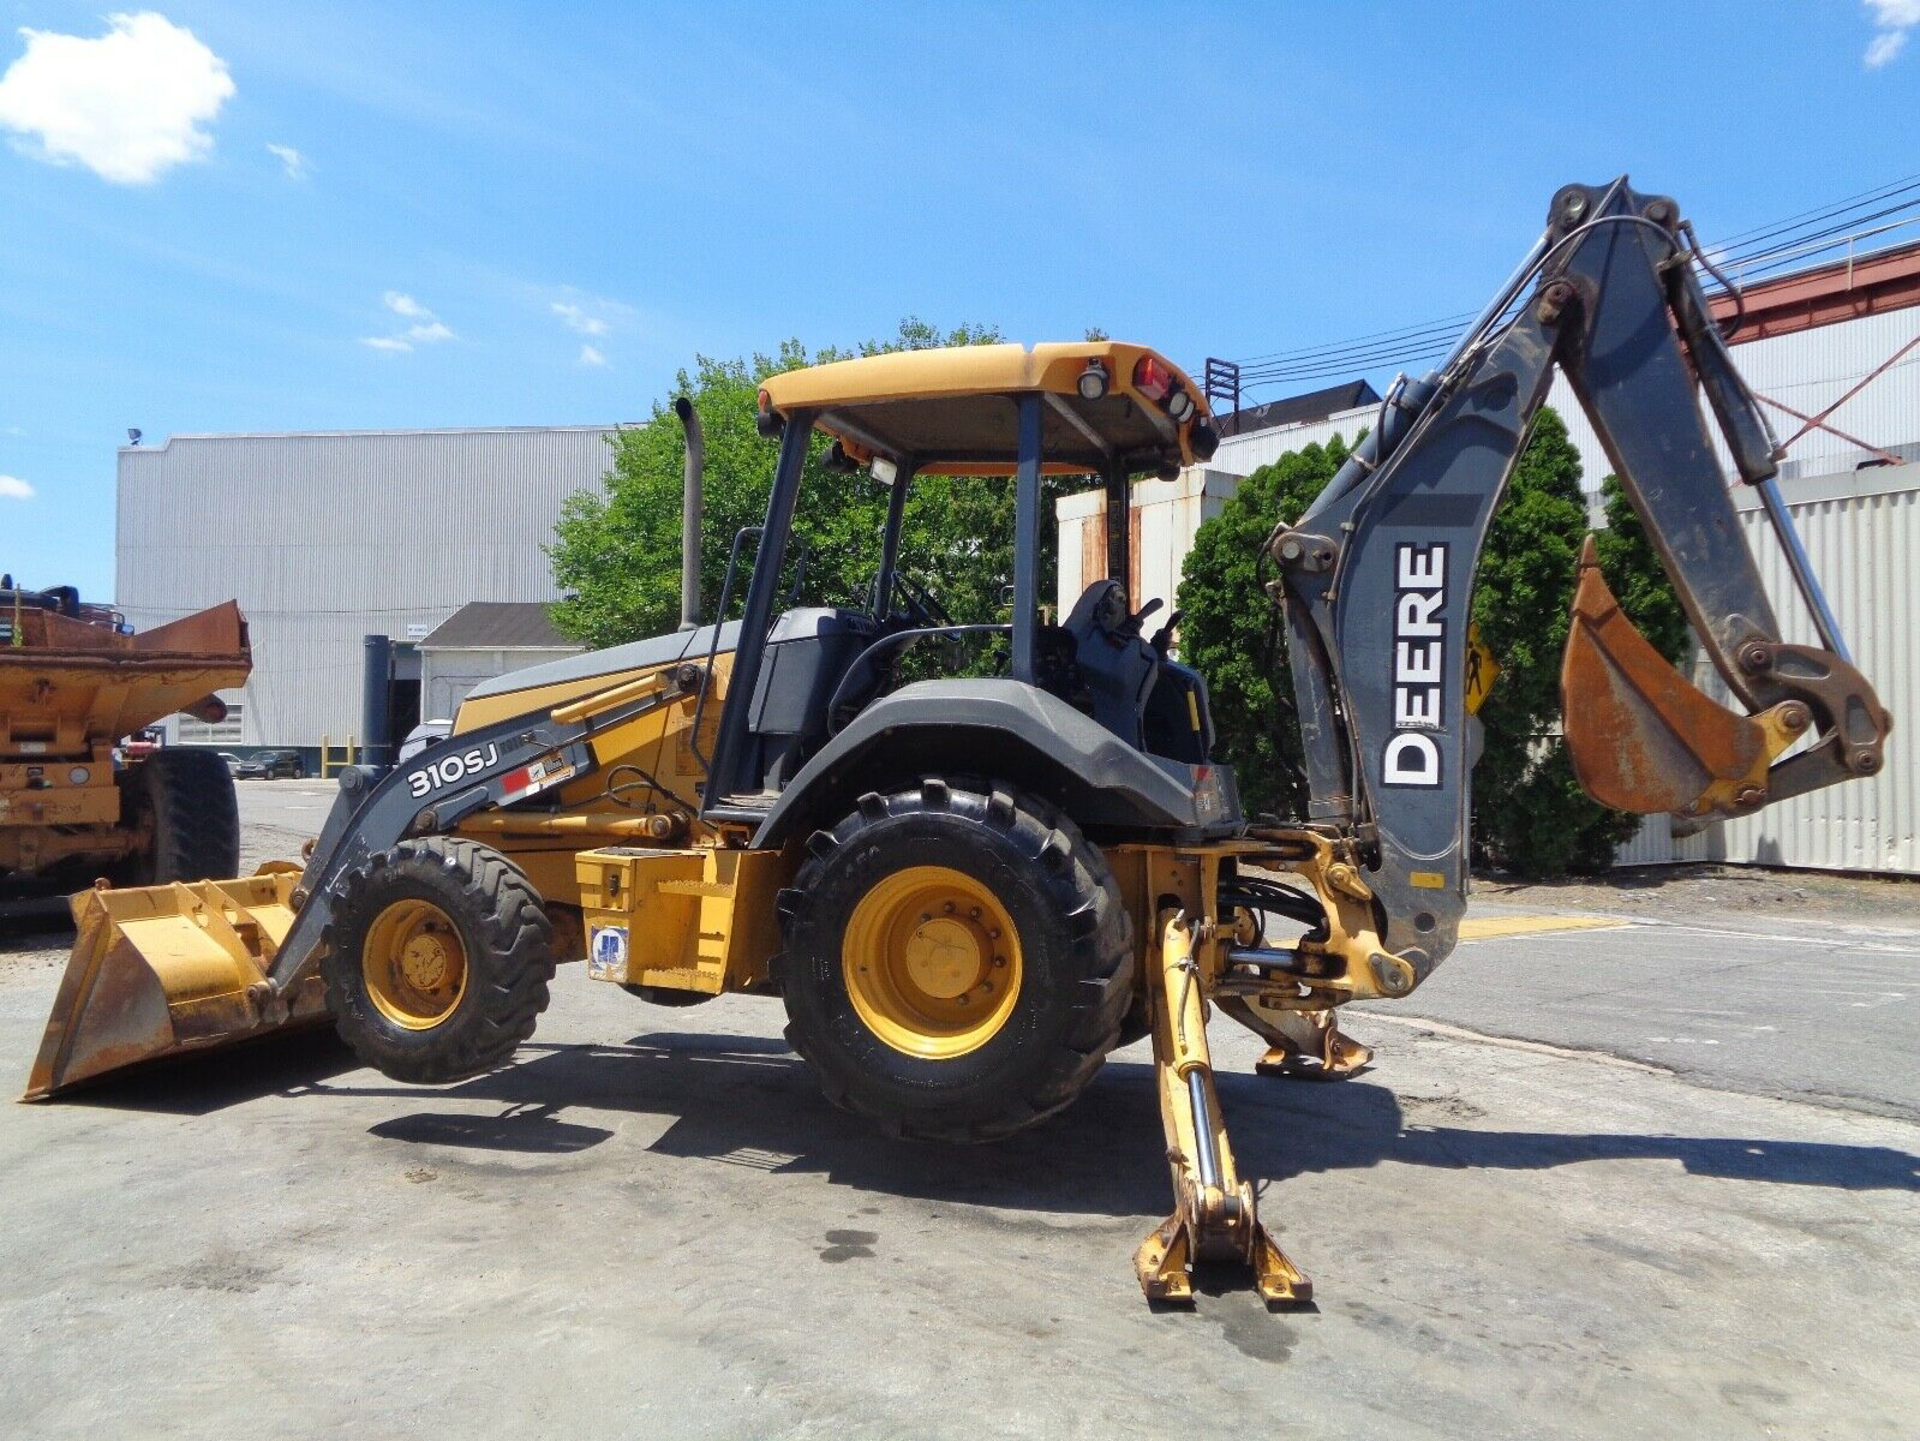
{"x": 160, "y": 970}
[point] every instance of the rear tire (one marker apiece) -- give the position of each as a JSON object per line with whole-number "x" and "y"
{"x": 188, "y": 797}
{"x": 996, "y": 1032}
{"x": 438, "y": 960}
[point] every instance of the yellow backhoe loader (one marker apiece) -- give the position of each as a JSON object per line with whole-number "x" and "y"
{"x": 966, "y": 891}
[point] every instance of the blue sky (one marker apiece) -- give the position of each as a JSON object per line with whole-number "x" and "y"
{"x": 530, "y": 214}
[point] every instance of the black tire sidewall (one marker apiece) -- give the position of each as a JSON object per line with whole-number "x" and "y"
{"x": 1014, "y": 1073}
{"x": 188, "y": 798}
{"x": 470, "y": 1039}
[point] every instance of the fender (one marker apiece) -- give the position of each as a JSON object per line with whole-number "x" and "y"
{"x": 1038, "y": 741}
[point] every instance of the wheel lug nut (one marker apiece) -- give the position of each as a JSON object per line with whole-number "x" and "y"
{"x": 950, "y": 908}
{"x": 974, "y": 913}
{"x": 999, "y": 962}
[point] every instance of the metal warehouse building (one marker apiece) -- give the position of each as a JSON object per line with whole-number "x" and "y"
{"x": 327, "y": 537}
{"x": 1833, "y": 352}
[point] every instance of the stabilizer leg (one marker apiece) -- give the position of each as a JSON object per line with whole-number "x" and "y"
{"x": 1215, "y": 1216}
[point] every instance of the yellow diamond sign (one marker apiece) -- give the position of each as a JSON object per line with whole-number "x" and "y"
{"x": 1482, "y": 669}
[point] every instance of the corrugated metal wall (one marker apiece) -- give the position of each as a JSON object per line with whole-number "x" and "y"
{"x": 1862, "y": 531}
{"x": 326, "y": 538}
{"x": 1808, "y": 370}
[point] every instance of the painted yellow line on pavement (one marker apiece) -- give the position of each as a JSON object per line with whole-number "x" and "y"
{"x": 1487, "y": 928}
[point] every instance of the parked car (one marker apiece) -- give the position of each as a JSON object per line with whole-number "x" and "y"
{"x": 268, "y": 765}
{"x": 234, "y": 763}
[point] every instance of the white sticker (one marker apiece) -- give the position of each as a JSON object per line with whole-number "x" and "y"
{"x": 607, "y": 953}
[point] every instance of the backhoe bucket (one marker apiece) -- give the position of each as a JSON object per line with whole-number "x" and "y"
{"x": 160, "y": 970}
{"x": 1640, "y": 735}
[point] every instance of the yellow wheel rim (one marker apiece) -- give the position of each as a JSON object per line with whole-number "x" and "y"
{"x": 414, "y": 964}
{"x": 931, "y": 960}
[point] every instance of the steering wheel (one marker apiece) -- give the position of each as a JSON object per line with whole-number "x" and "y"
{"x": 923, "y": 606}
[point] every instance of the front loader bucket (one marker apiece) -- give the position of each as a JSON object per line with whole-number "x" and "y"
{"x": 160, "y": 970}
{"x": 1640, "y": 735}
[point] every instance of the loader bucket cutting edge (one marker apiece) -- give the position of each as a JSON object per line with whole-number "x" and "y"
{"x": 1641, "y": 736}
{"x": 158, "y": 971}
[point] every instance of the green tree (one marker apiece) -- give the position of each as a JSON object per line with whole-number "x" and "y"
{"x": 1235, "y": 638}
{"x": 1530, "y": 814}
{"x": 617, "y": 551}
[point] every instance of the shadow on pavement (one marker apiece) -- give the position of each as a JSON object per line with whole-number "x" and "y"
{"x": 747, "y": 1101}
{"x": 200, "y": 1083}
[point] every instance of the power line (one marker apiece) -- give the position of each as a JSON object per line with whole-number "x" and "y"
{"x": 1822, "y": 212}
{"x": 1759, "y": 251}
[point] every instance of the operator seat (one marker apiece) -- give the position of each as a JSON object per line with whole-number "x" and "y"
{"x": 1116, "y": 666}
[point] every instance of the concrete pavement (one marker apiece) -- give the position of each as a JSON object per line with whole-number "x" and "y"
{"x": 1810, "y": 1009}
{"x": 652, "y": 1226}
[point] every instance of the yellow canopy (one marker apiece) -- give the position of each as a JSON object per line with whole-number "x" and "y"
{"x": 952, "y": 410}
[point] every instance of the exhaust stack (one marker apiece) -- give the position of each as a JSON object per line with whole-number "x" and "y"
{"x": 690, "y": 514}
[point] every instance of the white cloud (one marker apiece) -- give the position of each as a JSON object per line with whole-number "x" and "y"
{"x": 575, "y": 317}
{"x": 294, "y": 162}
{"x": 14, "y": 488}
{"x": 1892, "y": 19}
{"x": 589, "y": 355}
{"x": 427, "y": 328}
{"x": 1884, "y": 46}
{"x": 129, "y": 105}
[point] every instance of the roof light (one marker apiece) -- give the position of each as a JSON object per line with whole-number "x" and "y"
{"x": 1093, "y": 381}
{"x": 1180, "y": 406}
{"x": 885, "y": 471}
{"x": 1151, "y": 378}
{"x": 768, "y": 421}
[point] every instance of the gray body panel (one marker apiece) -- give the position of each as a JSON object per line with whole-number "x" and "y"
{"x": 1038, "y": 740}
{"x": 634, "y": 655}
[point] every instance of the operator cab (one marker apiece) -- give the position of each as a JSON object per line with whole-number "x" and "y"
{"x": 1101, "y": 409}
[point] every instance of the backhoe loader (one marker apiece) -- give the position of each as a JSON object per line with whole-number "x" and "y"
{"x": 967, "y": 890}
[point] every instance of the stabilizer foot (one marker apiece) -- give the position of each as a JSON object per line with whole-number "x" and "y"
{"x": 1336, "y": 1057}
{"x": 1163, "y": 1261}
{"x": 1277, "y": 1279}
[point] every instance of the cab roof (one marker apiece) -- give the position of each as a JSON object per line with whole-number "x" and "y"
{"x": 952, "y": 410}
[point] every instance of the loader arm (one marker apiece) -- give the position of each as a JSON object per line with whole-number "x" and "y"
{"x": 1376, "y": 579}
{"x": 493, "y": 766}
{"x": 161, "y": 970}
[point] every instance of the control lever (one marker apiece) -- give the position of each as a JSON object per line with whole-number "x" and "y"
{"x": 1131, "y": 625}
{"x": 1163, "y": 637}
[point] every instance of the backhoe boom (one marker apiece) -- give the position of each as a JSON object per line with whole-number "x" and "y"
{"x": 1377, "y": 577}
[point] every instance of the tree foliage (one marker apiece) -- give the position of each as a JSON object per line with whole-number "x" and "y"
{"x": 1530, "y": 814}
{"x": 617, "y": 552}
{"x": 1234, "y": 636}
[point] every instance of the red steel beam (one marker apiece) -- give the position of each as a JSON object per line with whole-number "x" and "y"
{"x": 1846, "y": 290}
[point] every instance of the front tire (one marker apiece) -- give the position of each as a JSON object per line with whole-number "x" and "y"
{"x": 438, "y": 960}
{"x": 956, "y": 963}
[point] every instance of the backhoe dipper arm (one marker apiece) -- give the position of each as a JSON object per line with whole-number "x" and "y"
{"x": 1377, "y": 578}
